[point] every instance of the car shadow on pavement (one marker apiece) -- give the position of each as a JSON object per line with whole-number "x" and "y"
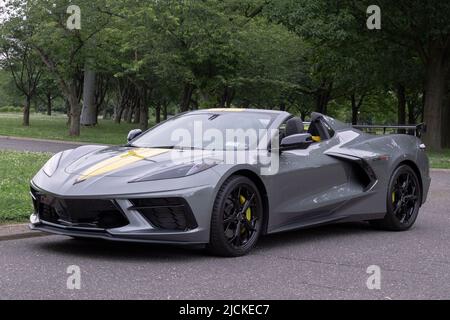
{"x": 318, "y": 233}
{"x": 111, "y": 250}
{"x": 102, "y": 249}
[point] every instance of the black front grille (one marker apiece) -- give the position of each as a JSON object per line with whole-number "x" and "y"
{"x": 82, "y": 213}
{"x": 166, "y": 213}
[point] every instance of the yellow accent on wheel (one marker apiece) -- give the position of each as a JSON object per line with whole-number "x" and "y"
{"x": 393, "y": 196}
{"x": 248, "y": 212}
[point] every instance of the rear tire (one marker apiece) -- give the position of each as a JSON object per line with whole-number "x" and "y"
{"x": 236, "y": 220}
{"x": 403, "y": 201}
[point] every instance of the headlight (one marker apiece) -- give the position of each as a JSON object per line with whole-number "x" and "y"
{"x": 50, "y": 167}
{"x": 179, "y": 171}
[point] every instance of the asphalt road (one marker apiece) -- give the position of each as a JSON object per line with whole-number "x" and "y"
{"x": 322, "y": 263}
{"x": 34, "y": 145}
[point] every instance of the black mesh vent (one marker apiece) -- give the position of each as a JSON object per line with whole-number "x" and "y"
{"x": 83, "y": 213}
{"x": 166, "y": 213}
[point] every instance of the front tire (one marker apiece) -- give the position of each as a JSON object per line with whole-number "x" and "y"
{"x": 236, "y": 220}
{"x": 403, "y": 200}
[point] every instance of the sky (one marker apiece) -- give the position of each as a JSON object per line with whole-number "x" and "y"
{"x": 2, "y": 4}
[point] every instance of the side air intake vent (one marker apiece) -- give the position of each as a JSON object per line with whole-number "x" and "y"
{"x": 361, "y": 169}
{"x": 166, "y": 213}
{"x": 78, "y": 213}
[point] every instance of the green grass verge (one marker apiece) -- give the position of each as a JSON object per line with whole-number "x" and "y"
{"x": 55, "y": 128}
{"x": 440, "y": 160}
{"x": 16, "y": 171}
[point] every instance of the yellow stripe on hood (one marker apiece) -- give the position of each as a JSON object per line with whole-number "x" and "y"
{"x": 120, "y": 161}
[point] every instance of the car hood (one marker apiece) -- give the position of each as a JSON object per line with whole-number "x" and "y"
{"x": 129, "y": 161}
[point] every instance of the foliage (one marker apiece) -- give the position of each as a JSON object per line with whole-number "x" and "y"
{"x": 16, "y": 170}
{"x": 294, "y": 55}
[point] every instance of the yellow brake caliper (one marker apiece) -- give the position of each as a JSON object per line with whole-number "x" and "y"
{"x": 248, "y": 212}
{"x": 393, "y": 196}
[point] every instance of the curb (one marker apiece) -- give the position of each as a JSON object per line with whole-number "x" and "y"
{"x": 18, "y": 231}
{"x": 80, "y": 143}
{"x": 440, "y": 170}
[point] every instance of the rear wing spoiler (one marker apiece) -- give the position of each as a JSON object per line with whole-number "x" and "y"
{"x": 415, "y": 130}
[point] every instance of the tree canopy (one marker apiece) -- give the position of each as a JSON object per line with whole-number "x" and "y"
{"x": 136, "y": 59}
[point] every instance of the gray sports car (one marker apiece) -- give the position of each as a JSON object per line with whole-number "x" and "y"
{"x": 223, "y": 177}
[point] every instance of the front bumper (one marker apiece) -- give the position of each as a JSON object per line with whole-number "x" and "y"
{"x": 138, "y": 228}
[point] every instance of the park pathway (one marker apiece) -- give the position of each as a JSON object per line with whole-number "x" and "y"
{"x": 36, "y": 145}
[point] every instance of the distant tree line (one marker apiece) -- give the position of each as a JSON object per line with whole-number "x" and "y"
{"x": 134, "y": 59}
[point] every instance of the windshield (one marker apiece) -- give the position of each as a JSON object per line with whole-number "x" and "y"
{"x": 209, "y": 130}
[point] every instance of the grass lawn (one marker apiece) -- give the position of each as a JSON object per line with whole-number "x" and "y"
{"x": 16, "y": 171}
{"x": 55, "y": 128}
{"x": 440, "y": 160}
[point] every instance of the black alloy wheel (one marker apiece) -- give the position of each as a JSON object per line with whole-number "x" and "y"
{"x": 237, "y": 218}
{"x": 403, "y": 200}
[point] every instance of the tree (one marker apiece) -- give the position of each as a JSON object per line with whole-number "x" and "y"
{"x": 60, "y": 49}
{"x": 423, "y": 28}
{"x": 47, "y": 91}
{"x": 20, "y": 59}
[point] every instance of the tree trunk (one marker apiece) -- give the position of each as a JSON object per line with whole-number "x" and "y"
{"x": 323, "y": 96}
{"x": 122, "y": 94}
{"x": 89, "y": 111}
{"x": 230, "y": 97}
{"x": 119, "y": 113}
{"x": 26, "y": 112}
{"x": 75, "y": 112}
{"x": 355, "y": 110}
{"x": 226, "y": 98}
{"x": 446, "y": 120}
{"x": 411, "y": 112}
{"x": 187, "y": 96}
{"x": 106, "y": 114}
{"x": 158, "y": 113}
{"x": 435, "y": 85}
{"x": 67, "y": 109}
{"x": 401, "y": 106}
{"x": 136, "y": 110}
{"x": 165, "y": 111}
{"x": 137, "y": 115}
{"x": 129, "y": 116}
{"x": 422, "y": 107}
{"x": 49, "y": 104}
{"x": 143, "y": 123}
{"x": 356, "y": 107}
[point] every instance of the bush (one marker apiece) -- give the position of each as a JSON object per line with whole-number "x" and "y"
{"x": 10, "y": 109}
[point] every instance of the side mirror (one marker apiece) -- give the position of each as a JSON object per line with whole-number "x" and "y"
{"x": 133, "y": 134}
{"x": 296, "y": 141}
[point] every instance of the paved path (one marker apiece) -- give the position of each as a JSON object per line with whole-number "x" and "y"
{"x": 35, "y": 145}
{"x": 322, "y": 263}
